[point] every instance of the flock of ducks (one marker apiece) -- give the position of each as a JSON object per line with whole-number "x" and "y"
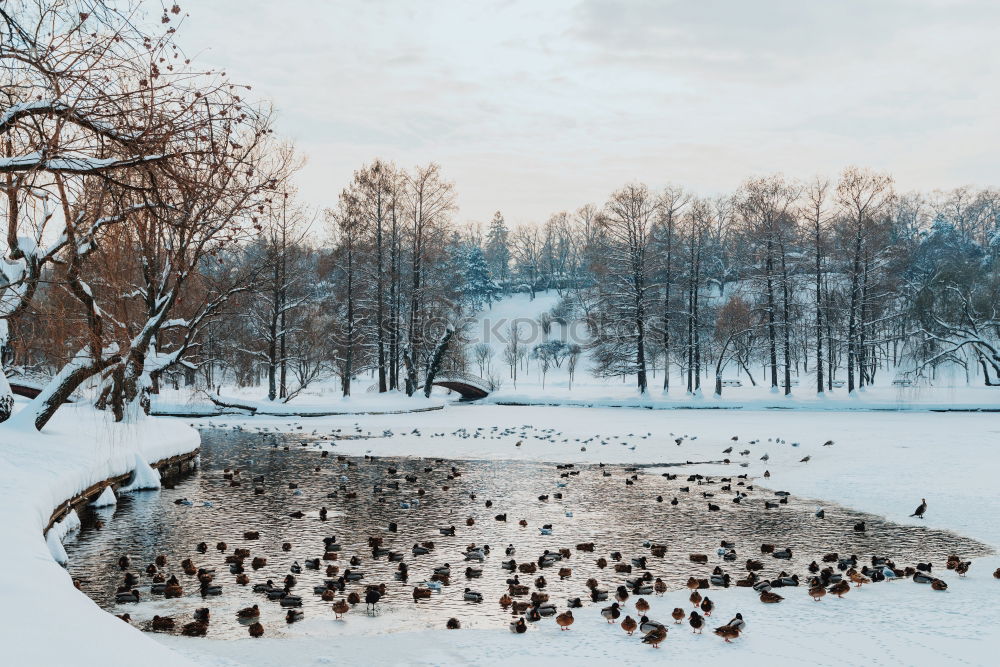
{"x": 527, "y": 600}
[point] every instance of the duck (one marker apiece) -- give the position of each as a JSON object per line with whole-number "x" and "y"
{"x": 421, "y": 593}
{"x": 727, "y": 632}
{"x": 472, "y": 596}
{"x": 248, "y": 612}
{"x": 256, "y": 630}
{"x": 518, "y": 627}
{"x": 660, "y": 586}
{"x": 695, "y": 598}
{"x": 612, "y": 613}
{"x": 195, "y": 629}
{"x": 293, "y": 615}
{"x": 341, "y": 607}
{"x": 921, "y": 578}
{"x": 629, "y": 625}
{"x": 565, "y": 619}
{"x": 127, "y": 596}
{"x": 655, "y": 637}
{"x": 678, "y": 615}
{"x": 770, "y": 598}
{"x": 817, "y": 592}
{"x": 641, "y": 605}
{"x": 839, "y": 588}
{"x": 707, "y": 605}
{"x": 163, "y": 623}
{"x": 696, "y": 622}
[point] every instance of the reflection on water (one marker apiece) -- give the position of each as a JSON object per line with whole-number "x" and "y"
{"x": 616, "y": 516}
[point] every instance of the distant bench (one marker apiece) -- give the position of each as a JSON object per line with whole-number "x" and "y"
{"x": 902, "y": 383}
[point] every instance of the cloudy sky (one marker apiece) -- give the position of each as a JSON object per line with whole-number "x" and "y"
{"x": 537, "y": 106}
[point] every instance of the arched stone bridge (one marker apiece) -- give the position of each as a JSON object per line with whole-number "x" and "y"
{"x": 468, "y": 385}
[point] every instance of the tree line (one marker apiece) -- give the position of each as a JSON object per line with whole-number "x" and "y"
{"x": 154, "y": 234}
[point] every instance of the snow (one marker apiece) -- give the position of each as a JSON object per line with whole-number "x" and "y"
{"x": 144, "y": 478}
{"x": 323, "y": 399}
{"x": 888, "y": 451}
{"x": 58, "y": 533}
{"x": 44, "y": 620}
{"x": 106, "y": 499}
{"x": 880, "y": 462}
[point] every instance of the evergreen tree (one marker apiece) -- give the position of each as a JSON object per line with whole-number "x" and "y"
{"x": 479, "y": 285}
{"x": 498, "y": 250}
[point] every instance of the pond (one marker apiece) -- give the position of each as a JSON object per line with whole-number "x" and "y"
{"x": 615, "y": 507}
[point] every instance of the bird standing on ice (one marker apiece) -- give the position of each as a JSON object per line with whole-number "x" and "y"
{"x": 921, "y": 509}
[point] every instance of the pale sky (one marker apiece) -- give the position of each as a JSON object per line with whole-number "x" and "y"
{"x": 538, "y": 106}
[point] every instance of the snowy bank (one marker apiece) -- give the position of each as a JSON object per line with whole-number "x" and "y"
{"x": 44, "y": 620}
{"x": 186, "y": 403}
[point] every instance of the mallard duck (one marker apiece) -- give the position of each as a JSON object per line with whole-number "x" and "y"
{"x": 696, "y": 622}
{"x": 655, "y": 637}
{"x": 660, "y": 586}
{"x": 472, "y": 596}
{"x": 839, "y": 588}
{"x": 565, "y": 573}
{"x": 962, "y": 567}
{"x": 641, "y": 605}
{"x": 519, "y": 626}
{"x": 629, "y": 625}
{"x": 420, "y": 593}
{"x": 817, "y": 592}
{"x": 127, "y": 596}
{"x": 611, "y": 613}
{"x": 202, "y": 547}
{"x": 859, "y": 579}
{"x": 195, "y": 629}
{"x": 602, "y": 563}
{"x": 727, "y": 632}
{"x": 921, "y": 578}
{"x": 770, "y": 598}
{"x": 939, "y": 585}
{"x": 293, "y": 615}
{"x": 353, "y": 598}
{"x": 248, "y": 612}
{"x": 678, "y": 615}
{"x": 565, "y": 619}
{"x": 201, "y": 614}
{"x": 695, "y": 598}
{"x": 453, "y": 624}
{"x": 341, "y": 607}
{"x": 707, "y": 606}
{"x": 256, "y": 630}
{"x": 163, "y": 623}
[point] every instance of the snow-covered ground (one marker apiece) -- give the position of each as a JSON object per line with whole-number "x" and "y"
{"x": 324, "y": 398}
{"x": 44, "y": 620}
{"x": 880, "y": 462}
